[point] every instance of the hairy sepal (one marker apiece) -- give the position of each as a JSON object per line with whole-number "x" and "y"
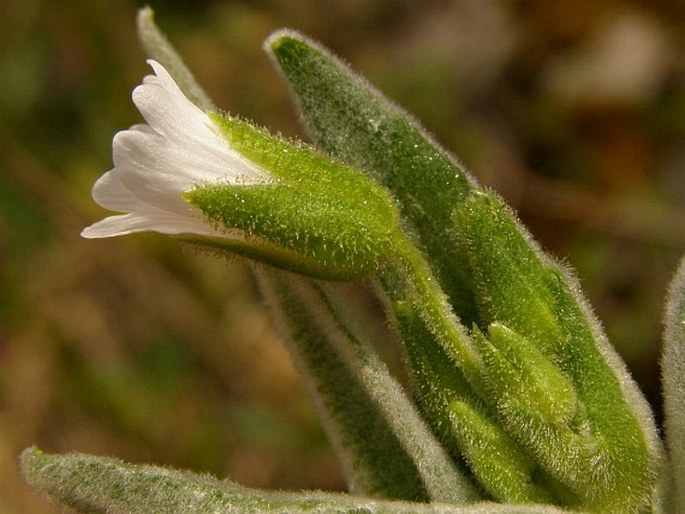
{"x": 325, "y": 212}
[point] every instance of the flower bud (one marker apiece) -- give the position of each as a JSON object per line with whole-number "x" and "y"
{"x": 221, "y": 182}
{"x": 523, "y": 379}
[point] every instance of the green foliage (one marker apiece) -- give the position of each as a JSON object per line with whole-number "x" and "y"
{"x": 605, "y": 430}
{"x": 102, "y": 485}
{"x": 383, "y": 443}
{"x": 527, "y": 403}
{"x": 673, "y": 369}
{"x": 606, "y": 453}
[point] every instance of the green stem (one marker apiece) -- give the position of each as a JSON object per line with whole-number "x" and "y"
{"x": 409, "y": 280}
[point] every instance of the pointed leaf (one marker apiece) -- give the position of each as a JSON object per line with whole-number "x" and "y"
{"x": 491, "y": 272}
{"x": 354, "y": 122}
{"x": 103, "y": 485}
{"x": 673, "y": 376}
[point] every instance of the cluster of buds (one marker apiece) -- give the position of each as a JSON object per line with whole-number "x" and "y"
{"x": 218, "y": 181}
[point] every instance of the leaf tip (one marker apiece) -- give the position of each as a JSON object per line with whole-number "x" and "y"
{"x": 145, "y": 17}
{"x": 280, "y": 37}
{"x": 31, "y": 461}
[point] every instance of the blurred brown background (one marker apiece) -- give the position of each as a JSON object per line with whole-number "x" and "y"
{"x": 139, "y": 348}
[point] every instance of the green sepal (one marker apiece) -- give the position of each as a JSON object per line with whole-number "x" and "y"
{"x": 522, "y": 379}
{"x": 297, "y": 229}
{"x": 303, "y": 166}
{"x": 510, "y": 476}
{"x": 464, "y": 422}
{"x": 325, "y": 219}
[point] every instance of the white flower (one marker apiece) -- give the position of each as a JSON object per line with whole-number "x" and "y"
{"x": 178, "y": 149}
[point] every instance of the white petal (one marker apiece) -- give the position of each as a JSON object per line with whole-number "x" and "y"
{"x": 163, "y": 222}
{"x": 165, "y": 108}
{"x": 155, "y": 164}
{"x": 154, "y": 171}
{"x": 173, "y": 116}
{"x": 110, "y": 193}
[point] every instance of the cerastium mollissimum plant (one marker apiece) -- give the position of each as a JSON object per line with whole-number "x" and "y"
{"x": 521, "y": 404}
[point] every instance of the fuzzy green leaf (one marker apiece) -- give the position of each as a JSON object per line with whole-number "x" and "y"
{"x": 386, "y": 448}
{"x": 354, "y": 122}
{"x": 608, "y": 453}
{"x": 673, "y": 376}
{"x": 100, "y": 485}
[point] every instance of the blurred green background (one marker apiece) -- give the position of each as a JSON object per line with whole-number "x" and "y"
{"x": 142, "y": 349}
